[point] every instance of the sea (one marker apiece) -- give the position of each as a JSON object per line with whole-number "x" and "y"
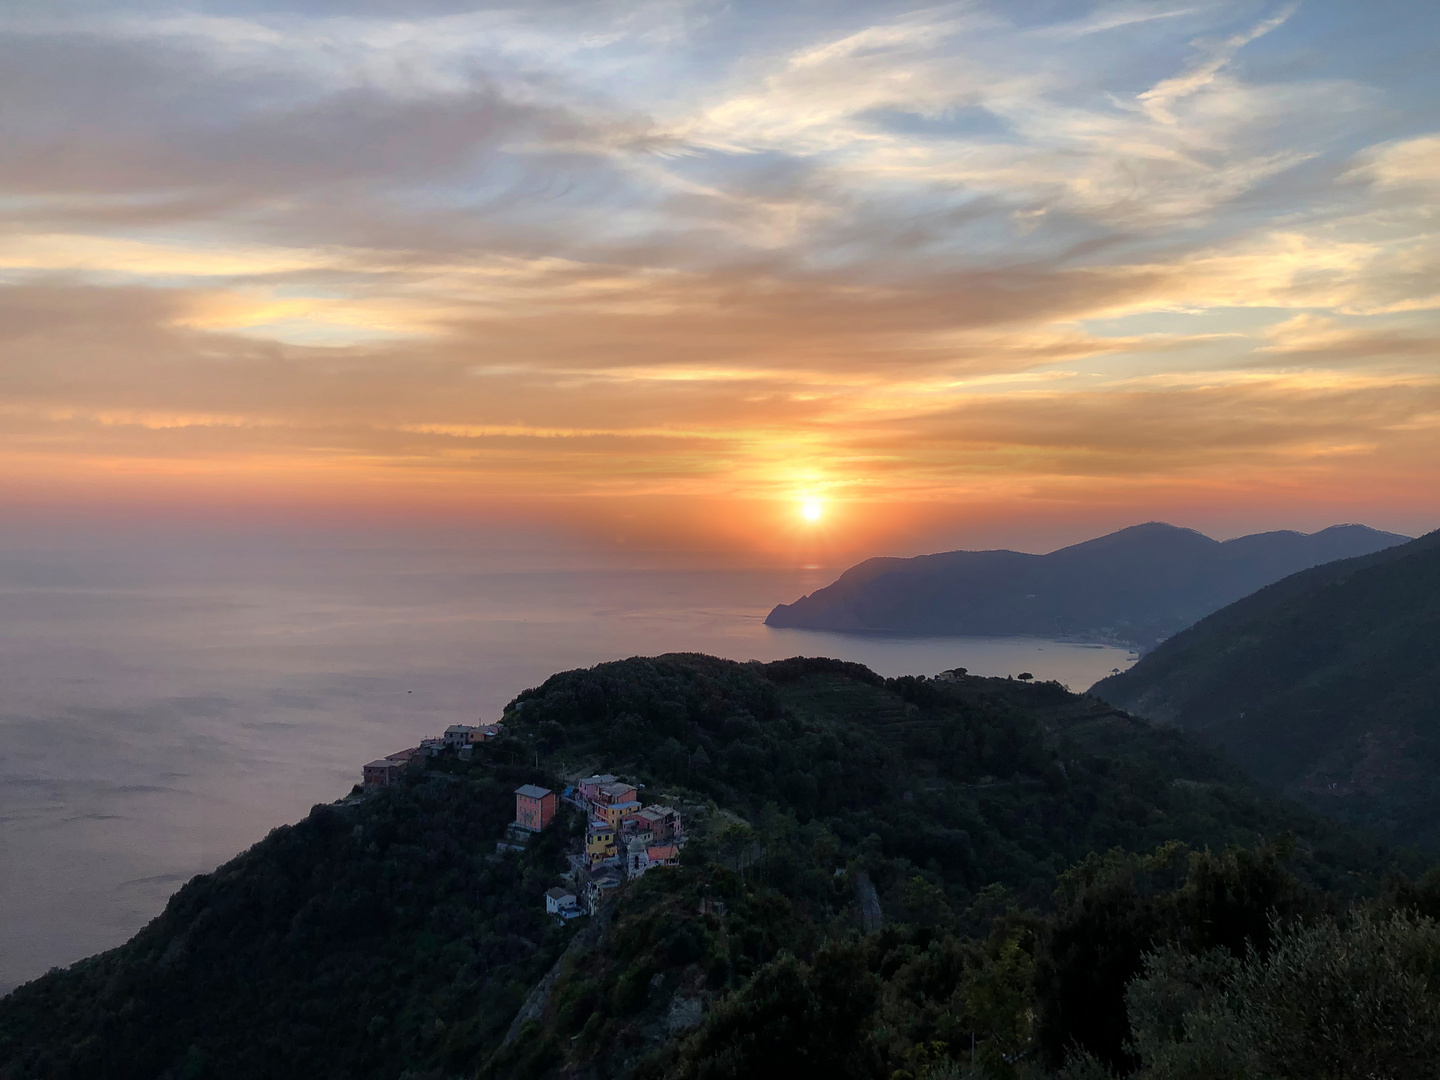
{"x": 169, "y": 699}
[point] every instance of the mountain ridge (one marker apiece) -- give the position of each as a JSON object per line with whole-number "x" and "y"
{"x": 1139, "y": 585}
{"x": 385, "y": 935}
{"x": 1322, "y": 685}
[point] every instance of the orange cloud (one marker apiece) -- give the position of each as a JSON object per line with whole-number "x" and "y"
{"x": 932, "y": 267}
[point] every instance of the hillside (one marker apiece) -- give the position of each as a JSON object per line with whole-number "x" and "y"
{"x": 1138, "y": 585}
{"x": 1325, "y": 686}
{"x": 385, "y": 936}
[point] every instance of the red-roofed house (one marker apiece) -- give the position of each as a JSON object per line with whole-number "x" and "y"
{"x": 640, "y": 857}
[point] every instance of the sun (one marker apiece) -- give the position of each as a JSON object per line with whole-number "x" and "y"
{"x": 811, "y": 509}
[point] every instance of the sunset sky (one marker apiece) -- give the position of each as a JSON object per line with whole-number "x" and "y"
{"x": 742, "y": 276}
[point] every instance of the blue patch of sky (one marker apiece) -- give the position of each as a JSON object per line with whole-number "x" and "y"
{"x": 1210, "y": 320}
{"x": 967, "y": 122}
{"x": 1389, "y": 44}
{"x": 758, "y": 172}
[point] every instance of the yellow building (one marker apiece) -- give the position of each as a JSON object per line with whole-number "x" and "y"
{"x": 613, "y": 812}
{"x": 600, "y": 842}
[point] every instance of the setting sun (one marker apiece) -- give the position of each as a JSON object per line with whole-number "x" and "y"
{"x": 811, "y": 509}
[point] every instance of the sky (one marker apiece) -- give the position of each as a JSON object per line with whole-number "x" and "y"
{"x": 668, "y": 273}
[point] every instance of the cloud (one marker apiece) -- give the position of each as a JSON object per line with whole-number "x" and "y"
{"x": 1159, "y": 99}
{"x": 1319, "y": 338}
{"x": 700, "y": 249}
{"x": 1405, "y": 163}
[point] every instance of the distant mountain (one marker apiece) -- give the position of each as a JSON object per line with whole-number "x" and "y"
{"x": 1138, "y": 585}
{"x": 1325, "y": 685}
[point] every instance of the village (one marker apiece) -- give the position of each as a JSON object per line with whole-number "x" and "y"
{"x": 624, "y": 839}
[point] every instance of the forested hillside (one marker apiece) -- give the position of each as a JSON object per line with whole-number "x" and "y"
{"x": 1325, "y": 686}
{"x": 1138, "y": 585}
{"x": 385, "y": 936}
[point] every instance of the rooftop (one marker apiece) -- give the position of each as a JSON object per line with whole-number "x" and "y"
{"x": 557, "y": 893}
{"x": 530, "y": 791}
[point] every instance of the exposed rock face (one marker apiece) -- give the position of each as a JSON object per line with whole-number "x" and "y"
{"x": 685, "y": 1013}
{"x": 871, "y": 917}
{"x": 539, "y": 997}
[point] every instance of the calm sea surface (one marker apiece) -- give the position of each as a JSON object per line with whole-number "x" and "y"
{"x": 166, "y": 704}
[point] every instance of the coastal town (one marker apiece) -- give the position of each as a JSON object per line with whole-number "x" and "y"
{"x": 624, "y": 839}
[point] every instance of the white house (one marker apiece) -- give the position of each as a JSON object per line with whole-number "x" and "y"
{"x": 560, "y": 901}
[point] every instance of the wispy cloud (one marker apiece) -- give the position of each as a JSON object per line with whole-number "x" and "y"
{"x": 706, "y": 249}
{"x": 1160, "y": 98}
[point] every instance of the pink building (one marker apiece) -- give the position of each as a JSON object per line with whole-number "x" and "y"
{"x": 614, "y": 794}
{"x": 662, "y": 823}
{"x": 591, "y": 785}
{"x": 534, "y": 807}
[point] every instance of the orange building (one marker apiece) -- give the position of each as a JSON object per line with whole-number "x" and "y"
{"x": 534, "y": 807}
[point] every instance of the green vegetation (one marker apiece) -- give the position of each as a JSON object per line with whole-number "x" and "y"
{"x": 1325, "y": 686}
{"x": 1351, "y": 998}
{"x": 372, "y": 937}
{"x": 384, "y": 937}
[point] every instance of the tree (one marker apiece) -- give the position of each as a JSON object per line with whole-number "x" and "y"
{"x": 792, "y": 1019}
{"x": 1334, "y": 1001}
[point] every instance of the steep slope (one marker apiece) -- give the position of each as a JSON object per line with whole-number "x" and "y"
{"x": 1140, "y": 584}
{"x": 384, "y": 936}
{"x": 376, "y": 935}
{"x": 1325, "y": 685}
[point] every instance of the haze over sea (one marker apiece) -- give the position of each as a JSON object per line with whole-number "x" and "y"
{"x": 170, "y": 700}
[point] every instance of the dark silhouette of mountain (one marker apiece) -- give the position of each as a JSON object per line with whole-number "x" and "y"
{"x": 1325, "y": 685}
{"x": 1138, "y": 585}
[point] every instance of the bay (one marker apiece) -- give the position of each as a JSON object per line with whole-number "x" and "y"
{"x": 168, "y": 700}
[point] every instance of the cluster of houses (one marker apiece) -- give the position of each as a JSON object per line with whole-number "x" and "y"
{"x": 458, "y": 737}
{"x": 624, "y": 839}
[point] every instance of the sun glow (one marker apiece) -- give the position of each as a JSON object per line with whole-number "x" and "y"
{"x": 811, "y": 509}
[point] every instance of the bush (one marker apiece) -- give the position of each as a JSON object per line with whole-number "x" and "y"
{"x": 1334, "y": 1001}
